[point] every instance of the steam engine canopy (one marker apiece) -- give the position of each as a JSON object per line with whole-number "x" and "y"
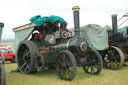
{"x": 78, "y": 45}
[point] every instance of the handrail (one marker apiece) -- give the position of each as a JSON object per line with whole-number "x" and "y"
{"x": 125, "y": 15}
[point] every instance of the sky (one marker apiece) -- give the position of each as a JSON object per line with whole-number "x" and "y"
{"x": 16, "y": 13}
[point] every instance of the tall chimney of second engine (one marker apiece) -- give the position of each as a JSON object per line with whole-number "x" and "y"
{"x": 114, "y": 23}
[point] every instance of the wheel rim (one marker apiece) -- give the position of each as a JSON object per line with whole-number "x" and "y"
{"x": 114, "y": 58}
{"x": 66, "y": 65}
{"x": 94, "y": 62}
{"x": 24, "y": 59}
{"x": 2, "y": 75}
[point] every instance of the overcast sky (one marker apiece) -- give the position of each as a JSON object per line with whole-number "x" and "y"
{"x": 15, "y": 13}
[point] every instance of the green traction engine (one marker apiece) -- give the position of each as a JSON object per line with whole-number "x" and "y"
{"x": 51, "y": 45}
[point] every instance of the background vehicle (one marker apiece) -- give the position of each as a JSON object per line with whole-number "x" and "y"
{"x": 8, "y": 55}
{"x": 118, "y": 37}
{"x": 112, "y": 43}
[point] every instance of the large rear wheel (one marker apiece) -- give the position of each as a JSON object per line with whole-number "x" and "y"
{"x": 93, "y": 63}
{"x": 113, "y": 58}
{"x": 26, "y": 55}
{"x": 66, "y": 65}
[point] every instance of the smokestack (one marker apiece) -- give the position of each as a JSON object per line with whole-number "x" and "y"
{"x": 1, "y": 26}
{"x": 114, "y": 23}
{"x": 76, "y": 20}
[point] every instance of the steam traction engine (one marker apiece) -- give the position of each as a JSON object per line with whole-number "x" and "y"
{"x": 112, "y": 59}
{"x": 2, "y": 66}
{"x": 52, "y": 45}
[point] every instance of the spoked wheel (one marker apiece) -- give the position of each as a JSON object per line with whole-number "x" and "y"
{"x": 26, "y": 55}
{"x": 93, "y": 63}
{"x": 66, "y": 65}
{"x": 114, "y": 58}
{"x": 2, "y": 75}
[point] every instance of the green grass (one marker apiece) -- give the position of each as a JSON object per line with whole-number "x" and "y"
{"x": 50, "y": 77}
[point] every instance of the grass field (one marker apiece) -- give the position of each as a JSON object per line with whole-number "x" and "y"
{"x": 50, "y": 77}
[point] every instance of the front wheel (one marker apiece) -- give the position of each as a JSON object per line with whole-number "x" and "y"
{"x": 93, "y": 63}
{"x": 113, "y": 58}
{"x": 66, "y": 65}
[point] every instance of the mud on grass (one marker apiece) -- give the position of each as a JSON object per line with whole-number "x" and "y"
{"x": 50, "y": 77}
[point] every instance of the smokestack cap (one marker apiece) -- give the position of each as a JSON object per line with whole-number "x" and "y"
{"x": 114, "y": 14}
{"x": 76, "y": 8}
{"x": 1, "y": 24}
